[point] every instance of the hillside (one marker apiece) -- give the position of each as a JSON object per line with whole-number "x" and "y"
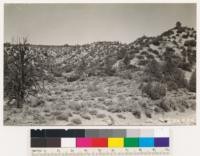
{"x": 149, "y": 81}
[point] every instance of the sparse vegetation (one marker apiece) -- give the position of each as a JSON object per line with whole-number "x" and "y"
{"x": 96, "y": 83}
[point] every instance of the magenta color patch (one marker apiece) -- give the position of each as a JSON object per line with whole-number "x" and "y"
{"x": 83, "y": 142}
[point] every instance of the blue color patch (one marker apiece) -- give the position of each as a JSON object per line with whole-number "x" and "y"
{"x": 146, "y": 142}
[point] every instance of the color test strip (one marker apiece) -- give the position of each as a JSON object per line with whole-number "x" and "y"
{"x": 68, "y": 142}
{"x": 53, "y": 142}
{"x": 131, "y": 142}
{"x": 116, "y": 142}
{"x": 161, "y": 142}
{"x": 83, "y": 142}
{"x": 100, "y": 142}
{"x": 100, "y": 138}
{"x": 146, "y": 142}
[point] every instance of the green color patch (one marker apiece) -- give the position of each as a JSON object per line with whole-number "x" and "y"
{"x": 131, "y": 142}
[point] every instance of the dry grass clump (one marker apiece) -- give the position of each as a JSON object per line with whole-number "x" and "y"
{"x": 100, "y": 115}
{"x": 85, "y": 116}
{"x": 93, "y": 112}
{"x": 92, "y": 87}
{"x": 121, "y": 116}
{"x": 62, "y": 117}
{"x": 154, "y": 90}
{"x": 76, "y": 121}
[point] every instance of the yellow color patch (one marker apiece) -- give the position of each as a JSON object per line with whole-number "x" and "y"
{"x": 115, "y": 142}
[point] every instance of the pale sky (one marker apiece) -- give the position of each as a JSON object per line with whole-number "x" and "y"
{"x": 57, "y": 24}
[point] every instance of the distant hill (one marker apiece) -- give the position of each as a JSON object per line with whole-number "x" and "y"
{"x": 97, "y": 57}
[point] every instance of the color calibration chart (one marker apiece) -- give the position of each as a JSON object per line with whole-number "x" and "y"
{"x": 100, "y": 142}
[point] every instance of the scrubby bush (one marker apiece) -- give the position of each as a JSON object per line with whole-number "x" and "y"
{"x": 154, "y": 90}
{"x": 142, "y": 62}
{"x": 76, "y": 121}
{"x": 126, "y": 60}
{"x": 155, "y": 52}
{"x": 185, "y": 36}
{"x": 171, "y": 71}
{"x": 178, "y": 24}
{"x": 125, "y": 74}
{"x": 192, "y": 56}
{"x": 180, "y": 30}
{"x": 185, "y": 66}
{"x": 192, "y": 82}
{"x": 140, "y": 57}
{"x": 156, "y": 42}
{"x": 191, "y": 43}
{"x": 167, "y": 33}
{"x": 57, "y": 73}
{"x": 121, "y": 53}
{"x": 73, "y": 77}
{"x": 171, "y": 85}
{"x": 108, "y": 63}
{"x": 154, "y": 70}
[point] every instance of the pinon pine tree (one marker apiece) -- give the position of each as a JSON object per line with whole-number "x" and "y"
{"x": 20, "y": 75}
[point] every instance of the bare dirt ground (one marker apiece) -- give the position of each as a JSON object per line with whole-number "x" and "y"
{"x": 99, "y": 101}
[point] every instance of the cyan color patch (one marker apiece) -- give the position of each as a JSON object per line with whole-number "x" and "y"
{"x": 146, "y": 142}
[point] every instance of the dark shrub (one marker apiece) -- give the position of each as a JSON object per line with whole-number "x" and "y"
{"x": 140, "y": 57}
{"x": 73, "y": 78}
{"x": 150, "y": 57}
{"x": 180, "y": 30}
{"x": 144, "y": 53}
{"x": 125, "y": 74}
{"x": 121, "y": 53}
{"x": 178, "y": 24}
{"x": 156, "y": 42}
{"x": 107, "y": 68}
{"x": 192, "y": 82}
{"x": 192, "y": 56}
{"x": 191, "y": 43}
{"x": 154, "y": 69}
{"x": 126, "y": 60}
{"x": 68, "y": 69}
{"x": 57, "y": 73}
{"x": 179, "y": 78}
{"x": 185, "y": 66}
{"x": 155, "y": 52}
{"x": 142, "y": 62}
{"x": 167, "y": 33}
{"x": 171, "y": 85}
{"x": 137, "y": 114}
{"x": 185, "y": 36}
